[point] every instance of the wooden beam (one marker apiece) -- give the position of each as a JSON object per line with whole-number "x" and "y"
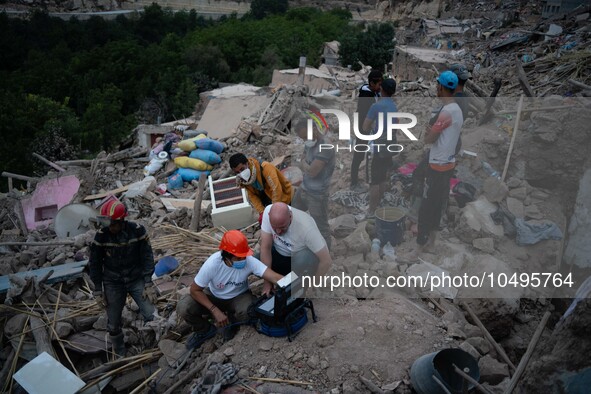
{"x": 489, "y": 337}
{"x": 105, "y": 194}
{"x": 470, "y": 379}
{"x": 42, "y": 341}
{"x": 515, "y": 128}
{"x": 579, "y": 84}
{"x": 49, "y": 163}
{"x": 528, "y": 353}
{"x": 20, "y": 177}
{"x": 523, "y": 79}
{"x": 48, "y": 243}
{"x": 197, "y": 207}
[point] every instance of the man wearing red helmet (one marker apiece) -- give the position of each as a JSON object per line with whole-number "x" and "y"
{"x": 121, "y": 262}
{"x": 220, "y": 289}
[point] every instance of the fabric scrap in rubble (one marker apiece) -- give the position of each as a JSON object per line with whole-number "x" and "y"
{"x": 217, "y": 376}
{"x": 349, "y": 198}
{"x": 532, "y": 232}
{"x": 506, "y": 218}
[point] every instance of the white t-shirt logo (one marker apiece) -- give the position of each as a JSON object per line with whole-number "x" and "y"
{"x": 220, "y": 285}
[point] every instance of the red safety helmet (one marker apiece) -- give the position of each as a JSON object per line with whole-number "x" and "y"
{"x": 235, "y": 242}
{"x": 115, "y": 210}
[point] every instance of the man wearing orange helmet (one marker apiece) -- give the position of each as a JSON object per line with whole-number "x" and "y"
{"x": 220, "y": 289}
{"x": 121, "y": 262}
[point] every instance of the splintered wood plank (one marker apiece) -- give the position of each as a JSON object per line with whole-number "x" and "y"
{"x": 105, "y": 194}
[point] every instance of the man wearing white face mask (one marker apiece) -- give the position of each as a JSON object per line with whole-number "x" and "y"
{"x": 264, "y": 183}
{"x": 318, "y": 167}
{"x": 220, "y": 289}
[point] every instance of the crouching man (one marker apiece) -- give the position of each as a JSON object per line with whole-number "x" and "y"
{"x": 220, "y": 290}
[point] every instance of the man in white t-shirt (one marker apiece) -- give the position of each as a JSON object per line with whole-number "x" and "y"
{"x": 220, "y": 289}
{"x": 443, "y": 134}
{"x": 291, "y": 241}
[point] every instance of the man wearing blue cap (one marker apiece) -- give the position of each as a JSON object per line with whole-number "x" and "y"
{"x": 443, "y": 134}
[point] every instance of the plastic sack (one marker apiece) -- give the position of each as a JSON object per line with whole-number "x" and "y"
{"x": 207, "y": 156}
{"x": 165, "y": 265}
{"x": 209, "y": 144}
{"x": 188, "y": 174}
{"x": 188, "y": 145}
{"x": 190, "y": 133}
{"x": 196, "y": 164}
{"x": 154, "y": 166}
{"x": 175, "y": 181}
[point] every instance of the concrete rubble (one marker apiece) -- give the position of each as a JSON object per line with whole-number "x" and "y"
{"x": 547, "y": 179}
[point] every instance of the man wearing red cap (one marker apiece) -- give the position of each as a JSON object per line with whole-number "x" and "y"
{"x": 220, "y": 289}
{"x": 121, "y": 262}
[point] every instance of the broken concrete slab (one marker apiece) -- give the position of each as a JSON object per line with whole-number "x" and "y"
{"x": 45, "y": 375}
{"x": 172, "y": 350}
{"x": 232, "y": 110}
{"x": 89, "y": 342}
{"x": 315, "y": 79}
{"x": 61, "y": 273}
{"x": 48, "y": 198}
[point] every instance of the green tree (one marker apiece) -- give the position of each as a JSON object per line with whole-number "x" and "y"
{"x": 262, "y": 8}
{"x": 372, "y": 47}
{"x": 103, "y": 122}
{"x": 27, "y": 122}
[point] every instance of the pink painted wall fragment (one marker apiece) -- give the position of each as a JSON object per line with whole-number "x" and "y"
{"x": 49, "y": 196}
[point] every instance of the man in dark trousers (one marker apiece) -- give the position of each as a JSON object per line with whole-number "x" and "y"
{"x": 443, "y": 134}
{"x": 121, "y": 262}
{"x": 369, "y": 94}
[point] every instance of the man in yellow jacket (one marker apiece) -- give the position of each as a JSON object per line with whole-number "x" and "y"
{"x": 264, "y": 183}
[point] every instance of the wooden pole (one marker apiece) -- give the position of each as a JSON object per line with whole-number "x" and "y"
{"x": 49, "y": 243}
{"x": 523, "y": 79}
{"x": 20, "y": 177}
{"x": 49, "y": 163}
{"x": 42, "y": 340}
{"x": 190, "y": 374}
{"x": 20, "y": 213}
{"x": 528, "y": 353}
{"x": 197, "y": 207}
{"x": 579, "y": 84}
{"x": 470, "y": 379}
{"x": 515, "y": 128}
{"x": 489, "y": 337}
{"x": 145, "y": 382}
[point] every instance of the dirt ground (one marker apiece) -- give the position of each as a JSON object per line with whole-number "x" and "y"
{"x": 379, "y": 339}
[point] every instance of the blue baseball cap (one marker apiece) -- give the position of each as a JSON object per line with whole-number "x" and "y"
{"x": 448, "y": 79}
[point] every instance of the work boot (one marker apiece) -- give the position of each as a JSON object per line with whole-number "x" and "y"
{"x": 197, "y": 338}
{"x": 118, "y": 344}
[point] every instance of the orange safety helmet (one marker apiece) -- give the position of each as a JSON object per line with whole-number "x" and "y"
{"x": 115, "y": 210}
{"x": 235, "y": 242}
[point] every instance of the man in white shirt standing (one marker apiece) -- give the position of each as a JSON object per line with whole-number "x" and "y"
{"x": 220, "y": 289}
{"x": 291, "y": 241}
{"x": 443, "y": 134}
